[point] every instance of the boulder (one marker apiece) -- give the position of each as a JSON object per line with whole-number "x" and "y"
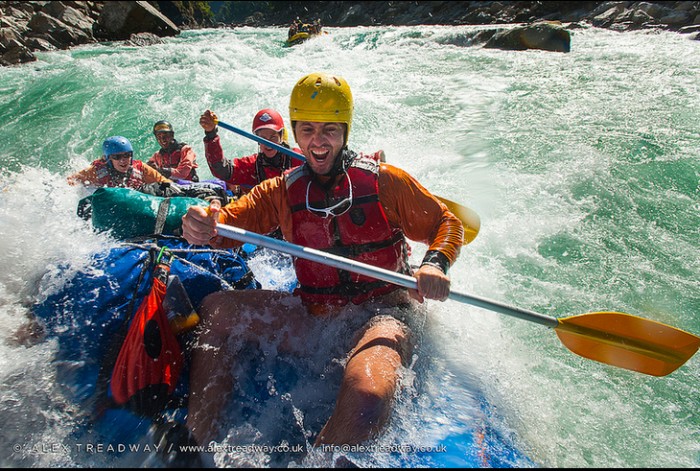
{"x": 676, "y": 18}
{"x": 15, "y": 52}
{"x": 7, "y": 35}
{"x": 56, "y": 31}
{"x": 119, "y": 20}
{"x": 39, "y": 44}
{"x": 548, "y": 36}
{"x": 143, "y": 39}
{"x": 72, "y": 17}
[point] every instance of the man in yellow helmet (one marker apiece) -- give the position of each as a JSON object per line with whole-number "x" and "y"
{"x": 349, "y": 204}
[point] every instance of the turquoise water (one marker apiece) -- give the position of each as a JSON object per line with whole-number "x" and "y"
{"x": 584, "y": 168}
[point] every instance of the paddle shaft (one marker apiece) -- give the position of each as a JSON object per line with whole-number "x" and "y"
{"x": 261, "y": 140}
{"x": 405, "y": 281}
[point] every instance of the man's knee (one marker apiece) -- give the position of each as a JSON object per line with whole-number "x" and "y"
{"x": 385, "y": 331}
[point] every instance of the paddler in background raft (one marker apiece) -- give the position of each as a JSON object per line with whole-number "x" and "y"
{"x": 242, "y": 174}
{"x": 294, "y": 28}
{"x": 348, "y": 204}
{"x": 117, "y": 168}
{"x": 175, "y": 160}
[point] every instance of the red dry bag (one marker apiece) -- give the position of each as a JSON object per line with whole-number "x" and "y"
{"x": 150, "y": 360}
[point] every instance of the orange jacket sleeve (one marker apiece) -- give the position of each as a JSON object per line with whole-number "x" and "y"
{"x": 87, "y": 177}
{"x": 422, "y": 217}
{"x": 151, "y": 175}
{"x": 261, "y": 210}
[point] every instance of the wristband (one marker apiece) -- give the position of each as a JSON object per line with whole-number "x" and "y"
{"x": 436, "y": 259}
{"x": 208, "y": 136}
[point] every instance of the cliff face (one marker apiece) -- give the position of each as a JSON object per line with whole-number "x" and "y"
{"x": 618, "y": 15}
{"x": 27, "y": 27}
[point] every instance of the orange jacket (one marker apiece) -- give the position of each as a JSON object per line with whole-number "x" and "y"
{"x": 408, "y": 206}
{"x": 89, "y": 176}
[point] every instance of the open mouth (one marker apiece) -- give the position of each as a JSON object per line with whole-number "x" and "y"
{"x": 320, "y": 156}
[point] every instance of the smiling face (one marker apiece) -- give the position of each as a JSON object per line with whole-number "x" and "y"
{"x": 272, "y": 136}
{"x": 321, "y": 143}
{"x": 121, "y": 162}
{"x": 165, "y": 139}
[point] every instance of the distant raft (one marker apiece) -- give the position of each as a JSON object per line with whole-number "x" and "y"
{"x": 302, "y": 36}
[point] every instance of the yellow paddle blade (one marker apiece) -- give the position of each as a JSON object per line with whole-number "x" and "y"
{"x": 470, "y": 220}
{"x": 627, "y": 341}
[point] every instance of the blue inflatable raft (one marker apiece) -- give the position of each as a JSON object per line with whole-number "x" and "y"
{"x": 88, "y": 316}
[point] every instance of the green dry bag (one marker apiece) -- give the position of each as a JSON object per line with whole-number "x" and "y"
{"x": 129, "y": 213}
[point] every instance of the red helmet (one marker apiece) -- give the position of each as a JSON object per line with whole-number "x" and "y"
{"x": 268, "y": 119}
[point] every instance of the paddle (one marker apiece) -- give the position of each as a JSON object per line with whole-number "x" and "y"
{"x": 614, "y": 338}
{"x": 470, "y": 220}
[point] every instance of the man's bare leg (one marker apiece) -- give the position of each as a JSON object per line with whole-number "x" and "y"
{"x": 371, "y": 376}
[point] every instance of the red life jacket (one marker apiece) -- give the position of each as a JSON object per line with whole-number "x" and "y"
{"x": 171, "y": 160}
{"x": 108, "y": 177}
{"x": 362, "y": 233}
{"x": 256, "y": 168}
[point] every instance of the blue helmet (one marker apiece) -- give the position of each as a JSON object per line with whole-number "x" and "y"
{"x": 115, "y": 145}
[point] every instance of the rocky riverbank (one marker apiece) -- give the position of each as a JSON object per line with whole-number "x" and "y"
{"x": 28, "y": 27}
{"x": 617, "y": 15}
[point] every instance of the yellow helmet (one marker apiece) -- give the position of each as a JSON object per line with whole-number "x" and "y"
{"x": 322, "y": 98}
